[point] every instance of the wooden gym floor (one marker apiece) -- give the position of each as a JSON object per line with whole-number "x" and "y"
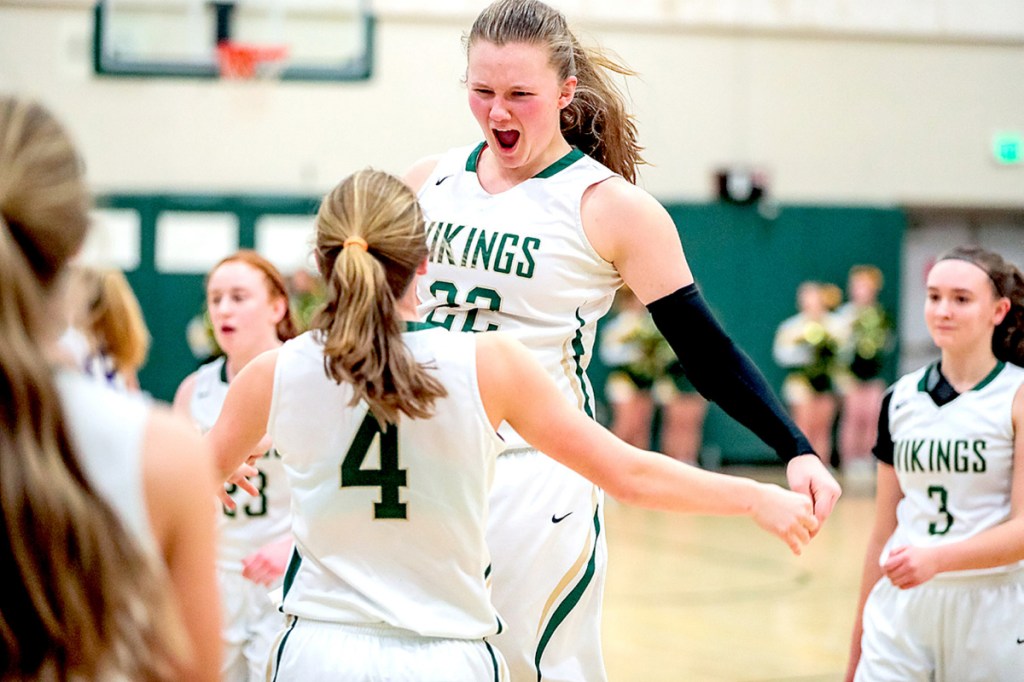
{"x": 707, "y": 599}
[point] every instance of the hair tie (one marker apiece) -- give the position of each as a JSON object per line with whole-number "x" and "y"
{"x": 355, "y": 241}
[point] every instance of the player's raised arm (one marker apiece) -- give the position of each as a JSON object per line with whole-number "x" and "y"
{"x": 507, "y": 372}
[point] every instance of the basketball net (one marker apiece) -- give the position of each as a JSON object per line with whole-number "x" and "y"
{"x": 240, "y": 61}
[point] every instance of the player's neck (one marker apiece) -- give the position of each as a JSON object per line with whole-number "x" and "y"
{"x": 964, "y": 371}
{"x": 406, "y": 307}
{"x": 496, "y": 177}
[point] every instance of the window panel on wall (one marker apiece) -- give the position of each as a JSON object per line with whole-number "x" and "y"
{"x": 287, "y": 241}
{"x": 193, "y": 242}
{"x": 114, "y": 239}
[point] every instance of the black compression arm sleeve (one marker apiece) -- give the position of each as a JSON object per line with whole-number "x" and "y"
{"x": 723, "y": 373}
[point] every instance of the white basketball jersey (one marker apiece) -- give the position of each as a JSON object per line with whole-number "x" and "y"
{"x": 954, "y": 462}
{"x": 520, "y": 262}
{"x": 389, "y": 526}
{"x": 106, "y": 429}
{"x": 256, "y": 520}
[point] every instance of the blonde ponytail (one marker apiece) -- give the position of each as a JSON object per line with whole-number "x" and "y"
{"x": 370, "y": 240}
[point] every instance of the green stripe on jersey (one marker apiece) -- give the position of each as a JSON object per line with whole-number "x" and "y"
{"x": 474, "y": 156}
{"x": 494, "y": 661}
{"x": 924, "y": 384}
{"x": 574, "y": 597}
{"x": 574, "y": 155}
{"x": 569, "y": 159}
{"x": 991, "y": 376}
{"x": 293, "y": 569}
{"x": 280, "y": 648}
{"x": 577, "y": 359}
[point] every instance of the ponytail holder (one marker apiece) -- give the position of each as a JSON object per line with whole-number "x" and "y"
{"x": 355, "y": 241}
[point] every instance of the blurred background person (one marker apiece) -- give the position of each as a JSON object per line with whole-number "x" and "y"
{"x": 807, "y": 345}
{"x": 868, "y": 342}
{"x": 683, "y": 410}
{"x": 247, "y": 301}
{"x": 646, "y": 389}
{"x": 306, "y": 294}
{"x": 632, "y": 349}
{"x": 107, "y": 334}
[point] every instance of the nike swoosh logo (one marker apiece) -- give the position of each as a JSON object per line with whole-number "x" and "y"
{"x": 558, "y": 519}
{"x": 442, "y": 180}
{"x": 1019, "y": 640}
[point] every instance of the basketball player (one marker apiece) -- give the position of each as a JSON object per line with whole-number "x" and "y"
{"x": 108, "y": 539}
{"x": 247, "y": 300}
{"x": 390, "y": 444}
{"x": 531, "y": 232}
{"x": 943, "y": 586}
{"x": 108, "y": 317}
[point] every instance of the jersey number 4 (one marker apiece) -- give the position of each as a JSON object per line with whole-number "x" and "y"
{"x": 389, "y": 478}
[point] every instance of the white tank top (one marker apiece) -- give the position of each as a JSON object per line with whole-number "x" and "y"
{"x": 257, "y": 520}
{"x": 954, "y": 462}
{"x": 106, "y": 429}
{"x": 520, "y": 262}
{"x": 389, "y": 528}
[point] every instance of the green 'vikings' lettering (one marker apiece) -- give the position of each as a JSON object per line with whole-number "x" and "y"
{"x": 953, "y": 456}
{"x": 498, "y": 252}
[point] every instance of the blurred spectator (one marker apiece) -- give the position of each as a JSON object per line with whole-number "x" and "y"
{"x": 868, "y": 342}
{"x": 306, "y": 293}
{"x": 645, "y": 374}
{"x": 807, "y": 344}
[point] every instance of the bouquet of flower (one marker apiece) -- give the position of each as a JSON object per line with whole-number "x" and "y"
{"x": 870, "y": 337}
{"x": 823, "y": 347}
{"x": 652, "y": 350}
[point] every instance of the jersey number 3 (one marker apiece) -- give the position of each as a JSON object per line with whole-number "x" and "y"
{"x": 389, "y": 478}
{"x": 942, "y": 496}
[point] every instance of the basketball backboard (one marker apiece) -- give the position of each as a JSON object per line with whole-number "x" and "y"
{"x": 324, "y": 39}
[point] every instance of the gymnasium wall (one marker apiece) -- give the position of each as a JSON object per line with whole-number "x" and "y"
{"x": 885, "y": 112}
{"x": 853, "y": 109}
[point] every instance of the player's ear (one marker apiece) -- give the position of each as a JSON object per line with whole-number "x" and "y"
{"x": 422, "y": 269}
{"x": 1002, "y": 307}
{"x": 567, "y": 92}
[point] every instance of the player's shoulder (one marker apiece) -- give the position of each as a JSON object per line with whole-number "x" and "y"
{"x": 1014, "y": 372}
{"x": 501, "y": 351}
{"x": 186, "y": 389}
{"x": 616, "y": 199}
{"x": 416, "y": 175}
{"x": 445, "y": 162}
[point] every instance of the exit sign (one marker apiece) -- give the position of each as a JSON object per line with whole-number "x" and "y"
{"x": 1008, "y": 148}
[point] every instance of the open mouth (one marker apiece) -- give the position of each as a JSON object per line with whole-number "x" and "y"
{"x": 506, "y": 138}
